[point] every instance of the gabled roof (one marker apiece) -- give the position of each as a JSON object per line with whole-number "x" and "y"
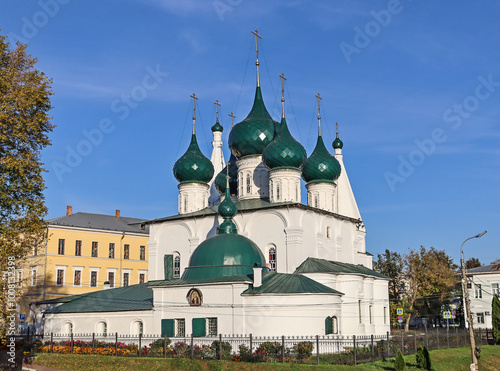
{"x": 99, "y": 221}
{"x": 251, "y": 205}
{"x": 129, "y": 298}
{"x": 494, "y": 267}
{"x": 314, "y": 265}
{"x": 285, "y": 283}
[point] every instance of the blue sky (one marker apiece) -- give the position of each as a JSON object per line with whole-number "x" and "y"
{"x": 415, "y": 87}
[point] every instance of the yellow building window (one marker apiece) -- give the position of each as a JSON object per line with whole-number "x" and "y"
{"x": 60, "y": 249}
{"x": 78, "y": 248}
{"x": 142, "y": 254}
{"x": 126, "y": 251}
{"x": 111, "y": 250}
{"x": 94, "y": 249}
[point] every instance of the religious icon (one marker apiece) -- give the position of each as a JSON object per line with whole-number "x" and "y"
{"x": 194, "y": 297}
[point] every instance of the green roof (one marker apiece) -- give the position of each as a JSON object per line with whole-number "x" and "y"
{"x": 128, "y": 298}
{"x": 285, "y": 283}
{"x": 200, "y": 281}
{"x": 217, "y": 127}
{"x": 255, "y": 132}
{"x": 193, "y": 166}
{"x": 337, "y": 143}
{"x": 220, "y": 179}
{"x": 321, "y": 165}
{"x": 284, "y": 151}
{"x": 314, "y": 265}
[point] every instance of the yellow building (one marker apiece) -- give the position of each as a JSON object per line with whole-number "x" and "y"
{"x": 84, "y": 252}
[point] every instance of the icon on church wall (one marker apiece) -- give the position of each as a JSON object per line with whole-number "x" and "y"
{"x": 194, "y": 297}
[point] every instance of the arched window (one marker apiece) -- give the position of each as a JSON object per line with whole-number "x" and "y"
{"x": 137, "y": 328}
{"x": 241, "y": 184}
{"x": 67, "y": 328}
{"x": 331, "y": 325}
{"x": 277, "y": 192}
{"x": 335, "y": 325}
{"x": 271, "y": 191}
{"x": 249, "y": 184}
{"x": 297, "y": 192}
{"x": 185, "y": 204}
{"x": 315, "y": 201}
{"x": 177, "y": 265}
{"x": 102, "y": 328}
{"x": 272, "y": 259}
{"x": 328, "y": 232}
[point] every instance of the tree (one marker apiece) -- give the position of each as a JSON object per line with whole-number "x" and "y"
{"x": 495, "y": 320}
{"x": 391, "y": 264}
{"x": 427, "y": 272}
{"x": 399, "y": 362}
{"x": 24, "y": 126}
{"x": 472, "y": 263}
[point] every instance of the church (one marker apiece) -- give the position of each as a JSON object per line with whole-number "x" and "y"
{"x": 244, "y": 255}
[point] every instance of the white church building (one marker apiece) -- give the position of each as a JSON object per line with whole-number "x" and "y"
{"x": 244, "y": 255}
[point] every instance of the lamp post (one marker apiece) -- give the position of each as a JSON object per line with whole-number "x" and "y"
{"x": 467, "y": 302}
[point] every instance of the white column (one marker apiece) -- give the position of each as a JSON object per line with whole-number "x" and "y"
{"x": 219, "y": 163}
{"x": 284, "y": 185}
{"x": 192, "y": 197}
{"x": 253, "y": 178}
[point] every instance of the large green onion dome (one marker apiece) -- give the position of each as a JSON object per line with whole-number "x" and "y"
{"x": 227, "y": 253}
{"x": 253, "y": 134}
{"x": 284, "y": 151}
{"x": 321, "y": 166}
{"x": 220, "y": 180}
{"x": 193, "y": 166}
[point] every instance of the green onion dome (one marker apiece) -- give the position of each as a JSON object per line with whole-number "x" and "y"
{"x": 227, "y": 253}
{"x": 193, "y": 166}
{"x": 253, "y": 134}
{"x": 220, "y": 180}
{"x": 284, "y": 151}
{"x": 337, "y": 143}
{"x": 217, "y": 127}
{"x": 321, "y": 166}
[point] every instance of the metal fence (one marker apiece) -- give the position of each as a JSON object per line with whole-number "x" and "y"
{"x": 332, "y": 349}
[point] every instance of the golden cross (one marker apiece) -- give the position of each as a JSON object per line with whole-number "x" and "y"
{"x": 194, "y": 109}
{"x": 319, "y": 116}
{"x": 232, "y": 117}
{"x": 257, "y": 37}
{"x": 337, "y": 126}
{"x": 283, "y": 79}
{"x": 217, "y": 105}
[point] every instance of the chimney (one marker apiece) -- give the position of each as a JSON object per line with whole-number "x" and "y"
{"x": 257, "y": 277}
{"x": 69, "y": 210}
{"x": 117, "y": 214}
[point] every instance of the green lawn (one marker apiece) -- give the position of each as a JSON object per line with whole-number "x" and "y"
{"x": 456, "y": 359}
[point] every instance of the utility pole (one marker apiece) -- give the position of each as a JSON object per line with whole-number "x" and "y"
{"x": 467, "y": 304}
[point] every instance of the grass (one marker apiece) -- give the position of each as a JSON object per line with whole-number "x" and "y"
{"x": 456, "y": 359}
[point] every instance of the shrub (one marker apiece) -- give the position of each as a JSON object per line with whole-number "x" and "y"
{"x": 419, "y": 357}
{"x": 399, "y": 363}
{"x": 427, "y": 359}
{"x": 303, "y": 349}
{"x": 226, "y": 349}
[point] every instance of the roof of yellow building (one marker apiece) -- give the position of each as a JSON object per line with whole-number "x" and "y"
{"x": 99, "y": 221}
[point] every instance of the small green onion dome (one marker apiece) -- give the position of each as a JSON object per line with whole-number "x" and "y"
{"x": 227, "y": 253}
{"x": 253, "y": 134}
{"x": 321, "y": 166}
{"x": 220, "y": 180}
{"x": 217, "y": 127}
{"x": 337, "y": 143}
{"x": 284, "y": 151}
{"x": 193, "y": 166}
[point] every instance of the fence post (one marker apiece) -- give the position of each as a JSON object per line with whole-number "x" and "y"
{"x": 317, "y": 349}
{"x": 354, "y": 346}
{"x": 373, "y": 350}
{"x": 71, "y": 343}
{"x": 51, "y": 342}
{"x": 93, "y": 343}
{"x": 220, "y": 346}
{"x": 456, "y": 335}
{"x": 251, "y": 346}
{"x": 388, "y": 346}
{"x": 437, "y": 332}
{"x": 402, "y": 341}
{"x": 140, "y": 344}
{"x": 415, "y": 339}
{"x": 116, "y": 344}
{"x": 426, "y": 338}
{"x": 282, "y": 348}
{"x": 165, "y": 346}
{"x": 192, "y": 344}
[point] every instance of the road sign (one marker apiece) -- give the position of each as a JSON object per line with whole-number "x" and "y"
{"x": 446, "y": 314}
{"x": 400, "y": 318}
{"x": 22, "y": 316}
{"x": 453, "y": 314}
{"x": 400, "y": 311}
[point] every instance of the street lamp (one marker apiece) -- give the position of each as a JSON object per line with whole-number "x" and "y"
{"x": 467, "y": 302}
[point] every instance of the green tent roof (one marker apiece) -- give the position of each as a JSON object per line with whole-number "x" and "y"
{"x": 285, "y": 283}
{"x": 129, "y": 298}
{"x": 314, "y": 265}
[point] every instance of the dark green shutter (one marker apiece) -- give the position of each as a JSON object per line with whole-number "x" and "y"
{"x": 168, "y": 261}
{"x": 199, "y": 327}
{"x": 167, "y": 327}
{"x": 328, "y": 325}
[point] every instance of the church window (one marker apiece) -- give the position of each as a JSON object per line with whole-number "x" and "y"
{"x": 370, "y": 313}
{"x": 277, "y": 192}
{"x": 241, "y": 184}
{"x": 102, "y": 328}
{"x": 177, "y": 266}
{"x": 328, "y": 232}
{"x": 385, "y": 315}
{"x": 297, "y": 193}
{"x": 271, "y": 190}
{"x": 180, "y": 327}
{"x": 249, "y": 184}
{"x": 315, "y": 201}
{"x": 67, "y": 328}
{"x": 335, "y": 325}
{"x": 185, "y": 204}
{"x": 331, "y": 325}
{"x": 137, "y": 328}
{"x": 359, "y": 312}
{"x": 272, "y": 259}
{"x": 212, "y": 326}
